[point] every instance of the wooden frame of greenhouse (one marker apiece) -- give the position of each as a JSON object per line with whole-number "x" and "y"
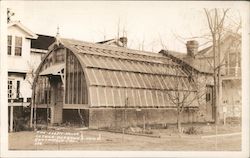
{"x": 104, "y": 86}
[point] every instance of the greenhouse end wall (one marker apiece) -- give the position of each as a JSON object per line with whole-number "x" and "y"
{"x": 120, "y": 117}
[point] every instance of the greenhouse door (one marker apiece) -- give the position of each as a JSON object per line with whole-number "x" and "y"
{"x": 56, "y": 99}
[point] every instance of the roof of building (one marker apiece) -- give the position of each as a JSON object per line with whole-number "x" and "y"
{"x": 133, "y": 68}
{"x": 202, "y": 61}
{"x": 114, "y": 74}
{"x": 195, "y": 63}
{"x": 30, "y": 34}
{"x": 42, "y": 42}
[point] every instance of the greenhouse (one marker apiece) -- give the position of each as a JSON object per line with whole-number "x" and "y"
{"x": 103, "y": 86}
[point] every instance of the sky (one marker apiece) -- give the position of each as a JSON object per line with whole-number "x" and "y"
{"x": 148, "y": 25}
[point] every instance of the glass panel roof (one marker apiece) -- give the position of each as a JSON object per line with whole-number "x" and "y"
{"x": 117, "y": 73}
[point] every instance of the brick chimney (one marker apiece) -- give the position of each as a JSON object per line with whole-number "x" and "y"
{"x": 192, "y": 48}
{"x": 124, "y": 41}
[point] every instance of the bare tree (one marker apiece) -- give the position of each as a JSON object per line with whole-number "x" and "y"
{"x": 216, "y": 20}
{"x": 184, "y": 93}
{"x": 220, "y": 23}
{"x": 31, "y": 73}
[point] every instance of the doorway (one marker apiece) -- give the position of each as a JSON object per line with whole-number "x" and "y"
{"x": 210, "y": 101}
{"x": 57, "y": 93}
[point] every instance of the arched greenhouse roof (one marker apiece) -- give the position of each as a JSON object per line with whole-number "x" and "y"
{"x": 109, "y": 66}
{"x": 99, "y": 75}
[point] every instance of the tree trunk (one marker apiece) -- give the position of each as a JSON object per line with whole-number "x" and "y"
{"x": 179, "y": 119}
{"x": 179, "y": 123}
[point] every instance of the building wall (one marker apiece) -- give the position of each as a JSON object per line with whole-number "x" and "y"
{"x": 100, "y": 118}
{"x": 205, "y": 103}
{"x": 22, "y": 68}
{"x": 231, "y": 76}
{"x": 231, "y": 98}
{"x": 35, "y": 59}
{"x": 19, "y": 63}
{"x": 18, "y": 66}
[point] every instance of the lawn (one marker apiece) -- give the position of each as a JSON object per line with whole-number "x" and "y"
{"x": 169, "y": 141}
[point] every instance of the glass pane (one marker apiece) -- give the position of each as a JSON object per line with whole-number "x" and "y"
{"x": 137, "y": 67}
{"x": 150, "y": 66}
{"x": 97, "y": 62}
{"x": 84, "y": 89}
{"x": 121, "y": 78}
{"x": 143, "y": 98}
{"x": 123, "y": 66}
{"x": 102, "y": 96}
{"x": 92, "y": 78}
{"x": 116, "y": 97}
{"x": 183, "y": 83}
{"x": 171, "y": 71}
{"x": 132, "y": 79}
{"x": 116, "y": 63}
{"x": 167, "y": 95}
{"x": 85, "y": 59}
{"x": 102, "y": 79}
{"x": 9, "y": 40}
{"x": 18, "y": 51}
{"x": 18, "y": 41}
{"x": 169, "y": 82}
{"x": 123, "y": 97}
{"x": 9, "y": 50}
{"x": 135, "y": 80}
{"x": 153, "y": 82}
{"x": 127, "y": 79}
{"x": 147, "y": 80}
{"x": 107, "y": 77}
{"x": 142, "y": 67}
{"x": 93, "y": 60}
{"x": 139, "y": 79}
{"x": 159, "y": 81}
{"x": 149, "y": 98}
{"x": 163, "y": 78}
{"x": 131, "y": 99}
{"x": 154, "y": 98}
{"x": 98, "y": 74}
{"x": 162, "y": 69}
{"x": 154, "y": 69}
{"x": 137, "y": 98}
{"x": 142, "y": 81}
{"x": 110, "y": 63}
{"x": 93, "y": 96}
{"x": 109, "y": 94}
{"x": 102, "y": 62}
{"x": 128, "y": 65}
{"x": 112, "y": 78}
{"x": 160, "y": 98}
{"x": 163, "y": 98}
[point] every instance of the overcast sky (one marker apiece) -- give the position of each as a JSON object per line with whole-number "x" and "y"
{"x": 146, "y": 23}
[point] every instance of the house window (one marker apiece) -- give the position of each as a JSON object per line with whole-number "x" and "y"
{"x": 10, "y": 89}
{"x": 209, "y": 94}
{"x": 208, "y": 97}
{"x": 18, "y": 46}
{"x": 9, "y": 44}
{"x": 18, "y": 89}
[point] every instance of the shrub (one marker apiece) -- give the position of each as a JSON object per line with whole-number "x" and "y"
{"x": 192, "y": 131}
